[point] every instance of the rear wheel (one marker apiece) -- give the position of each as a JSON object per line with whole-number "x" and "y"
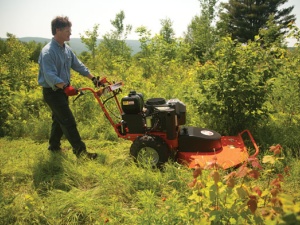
{"x": 150, "y": 150}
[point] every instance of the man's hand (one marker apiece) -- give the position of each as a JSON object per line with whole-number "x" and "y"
{"x": 97, "y": 82}
{"x": 70, "y": 90}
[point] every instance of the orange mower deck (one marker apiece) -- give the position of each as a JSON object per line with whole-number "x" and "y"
{"x": 232, "y": 154}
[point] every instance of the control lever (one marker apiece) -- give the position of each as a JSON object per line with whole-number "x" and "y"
{"x": 80, "y": 94}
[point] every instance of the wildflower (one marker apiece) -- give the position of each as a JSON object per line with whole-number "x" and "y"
{"x": 230, "y": 182}
{"x": 257, "y": 190}
{"x": 242, "y": 171}
{"x": 276, "y": 149}
{"x": 276, "y": 183}
{"x": 254, "y": 162}
{"x": 252, "y": 203}
{"x": 193, "y": 183}
{"x": 197, "y": 172}
{"x": 231, "y": 175}
{"x": 280, "y": 177}
{"x": 274, "y": 192}
{"x": 254, "y": 174}
{"x": 215, "y": 175}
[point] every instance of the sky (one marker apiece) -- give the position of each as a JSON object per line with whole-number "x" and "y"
{"x": 32, "y": 18}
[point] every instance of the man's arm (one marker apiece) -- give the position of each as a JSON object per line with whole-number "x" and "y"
{"x": 90, "y": 76}
{"x": 60, "y": 85}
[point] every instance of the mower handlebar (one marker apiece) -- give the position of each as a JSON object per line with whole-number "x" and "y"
{"x": 252, "y": 140}
{"x": 105, "y": 89}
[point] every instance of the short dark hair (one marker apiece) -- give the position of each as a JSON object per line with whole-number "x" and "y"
{"x": 60, "y": 22}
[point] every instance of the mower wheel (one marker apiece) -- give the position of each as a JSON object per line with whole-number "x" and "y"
{"x": 150, "y": 150}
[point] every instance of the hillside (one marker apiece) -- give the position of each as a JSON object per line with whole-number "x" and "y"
{"x": 78, "y": 46}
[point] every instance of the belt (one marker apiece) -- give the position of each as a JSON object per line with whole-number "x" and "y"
{"x": 50, "y": 89}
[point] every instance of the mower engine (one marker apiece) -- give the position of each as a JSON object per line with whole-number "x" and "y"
{"x": 154, "y": 115}
{"x": 163, "y": 118}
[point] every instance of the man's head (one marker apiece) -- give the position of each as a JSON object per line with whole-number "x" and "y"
{"x": 61, "y": 28}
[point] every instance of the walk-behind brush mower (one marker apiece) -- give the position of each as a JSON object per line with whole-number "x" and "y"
{"x": 158, "y": 133}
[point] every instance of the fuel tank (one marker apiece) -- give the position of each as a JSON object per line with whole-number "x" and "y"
{"x": 195, "y": 139}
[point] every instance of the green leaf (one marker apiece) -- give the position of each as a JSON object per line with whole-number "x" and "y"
{"x": 269, "y": 159}
{"x": 242, "y": 192}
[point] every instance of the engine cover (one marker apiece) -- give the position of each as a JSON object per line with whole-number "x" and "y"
{"x": 135, "y": 123}
{"x": 194, "y": 139}
{"x": 133, "y": 103}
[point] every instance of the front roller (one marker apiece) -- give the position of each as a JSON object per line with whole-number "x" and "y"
{"x": 150, "y": 149}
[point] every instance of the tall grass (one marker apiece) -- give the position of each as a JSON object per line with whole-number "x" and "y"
{"x": 40, "y": 187}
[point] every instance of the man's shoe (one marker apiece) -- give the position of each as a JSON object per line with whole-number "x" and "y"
{"x": 54, "y": 149}
{"x": 87, "y": 155}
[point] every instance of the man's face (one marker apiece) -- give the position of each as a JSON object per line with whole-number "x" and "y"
{"x": 64, "y": 33}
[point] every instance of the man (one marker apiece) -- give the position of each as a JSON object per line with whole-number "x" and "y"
{"x": 55, "y": 61}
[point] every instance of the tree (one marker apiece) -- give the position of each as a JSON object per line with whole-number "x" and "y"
{"x": 3, "y": 47}
{"x": 113, "y": 50}
{"x": 159, "y": 52}
{"x": 145, "y": 56}
{"x": 17, "y": 77}
{"x": 236, "y": 84}
{"x": 270, "y": 34}
{"x": 35, "y": 49}
{"x": 243, "y": 19}
{"x": 167, "y": 40}
{"x": 167, "y": 31}
{"x": 90, "y": 42}
{"x": 17, "y": 63}
{"x": 201, "y": 34}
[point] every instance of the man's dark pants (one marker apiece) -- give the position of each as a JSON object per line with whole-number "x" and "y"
{"x": 63, "y": 121}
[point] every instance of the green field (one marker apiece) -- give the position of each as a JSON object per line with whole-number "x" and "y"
{"x": 39, "y": 187}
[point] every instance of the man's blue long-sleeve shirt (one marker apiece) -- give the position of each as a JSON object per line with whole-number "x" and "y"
{"x": 55, "y": 63}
